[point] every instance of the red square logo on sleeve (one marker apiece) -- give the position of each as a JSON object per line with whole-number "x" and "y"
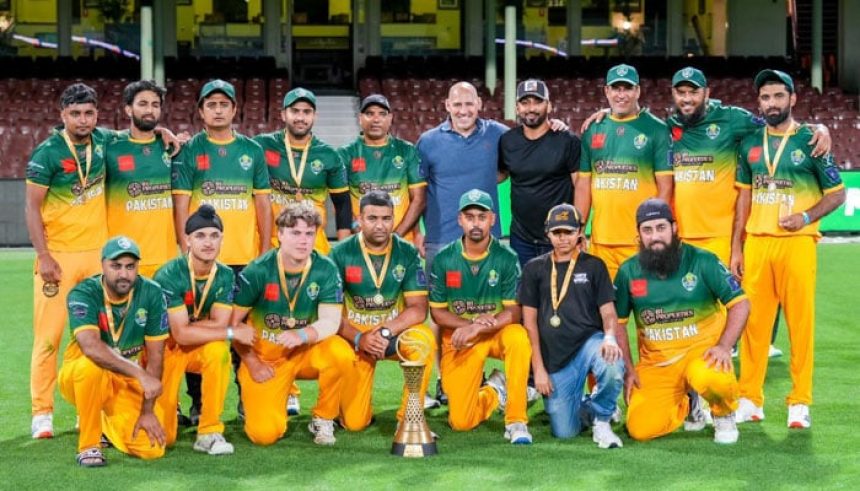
{"x": 677, "y": 133}
{"x": 203, "y": 162}
{"x": 359, "y": 164}
{"x": 272, "y": 292}
{"x": 639, "y": 288}
{"x": 597, "y": 140}
{"x": 189, "y": 298}
{"x": 453, "y": 279}
{"x": 754, "y": 154}
{"x": 273, "y": 158}
{"x": 103, "y": 322}
{"x": 353, "y": 274}
{"x": 125, "y": 162}
{"x": 69, "y": 165}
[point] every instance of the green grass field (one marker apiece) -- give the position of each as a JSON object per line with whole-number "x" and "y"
{"x": 768, "y": 455}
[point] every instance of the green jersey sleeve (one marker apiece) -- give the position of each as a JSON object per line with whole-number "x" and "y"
{"x": 181, "y": 172}
{"x": 225, "y": 286}
{"x": 743, "y": 174}
{"x": 83, "y": 309}
{"x": 415, "y": 279}
{"x": 156, "y": 319}
{"x": 720, "y": 279}
{"x": 826, "y": 172}
{"x": 261, "y": 173}
{"x": 336, "y": 172}
{"x": 174, "y": 292}
{"x": 42, "y": 166}
{"x": 251, "y": 283}
{"x": 438, "y": 289}
{"x": 331, "y": 290}
{"x": 743, "y": 122}
{"x": 622, "y": 293}
{"x": 510, "y": 280}
{"x": 662, "y": 149}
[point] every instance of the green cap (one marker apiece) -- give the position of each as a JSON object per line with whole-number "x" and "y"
{"x": 769, "y": 75}
{"x": 476, "y": 197}
{"x": 120, "y": 246}
{"x": 300, "y": 94}
{"x": 218, "y": 85}
{"x": 690, "y": 75}
{"x": 622, "y": 73}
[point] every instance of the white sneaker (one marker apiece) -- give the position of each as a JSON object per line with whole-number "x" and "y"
{"x": 430, "y": 403}
{"x": 774, "y": 352}
{"x": 497, "y": 381}
{"x": 697, "y": 418}
{"x": 616, "y": 415}
{"x": 725, "y": 429}
{"x": 294, "y": 407}
{"x": 603, "y": 435}
{"x": 213, "y": 444}
{"x": 798, "y": 416}
{"x": 42, "y": 426}
{"x": 518, "y": 434}
{"x": 747, "y": 411}
{"x": 323, "y": 431}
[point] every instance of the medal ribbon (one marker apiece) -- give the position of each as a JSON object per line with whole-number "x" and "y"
{"x": 82, "y": 176}
{"x": 377, "y": 279}
{"x": 771, "y": 166}
{"x": 198, "y": 307}
{"x": 557, "y": 296}
{"x": 282, "y": 277}
{"x": 297, "y": 176}
{"x": 116, "y": 334}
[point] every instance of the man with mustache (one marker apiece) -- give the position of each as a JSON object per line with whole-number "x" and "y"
{"x": 674, "y": 292}
{"x": 783, "y": 193}
{"x": 111, "y": 369}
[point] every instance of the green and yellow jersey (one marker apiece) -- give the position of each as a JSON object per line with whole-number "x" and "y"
{"x": 225, "y": 174}
{"x": 680, "y": 313}
{"x": 623, "y": 156}
{"x": 138, "y": 318}
{"x": 139, "y": 200}
{"x": 798, "y": 182}
{"x": 397, "y": 269}
{"x": 180, "y": 293}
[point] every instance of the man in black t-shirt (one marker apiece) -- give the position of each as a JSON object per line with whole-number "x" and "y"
{"x": 569, "y": 314}
{"x": 541, "y": 164}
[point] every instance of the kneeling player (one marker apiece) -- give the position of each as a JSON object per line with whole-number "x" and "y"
{"x": 685, "y": 341}
{"x": 112, "y": 367}
{"x": 293, "y": 297}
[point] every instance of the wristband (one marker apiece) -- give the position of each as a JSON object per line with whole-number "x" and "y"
{"x": 609, "y": 338}
{"x": 229, "y": 334}
{"x": 806, "y": 219}
{"x": 302, "y": 334}
{"x": 356, "y": 340}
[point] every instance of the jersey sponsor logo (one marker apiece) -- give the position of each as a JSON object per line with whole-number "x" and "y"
{"x": 453, "y": 279}
{"x": 317, "y": 166}
{"x": 313, "y": 290}
{"x": 125, "y": 163}
{"x": 136, "y": 189}
{"x": 273, "y": 158}
{"x": 399, "y": 272}
{"x": 640, "y": 141}
{"x": 366, "y": 187}
{"x": 203, "y": 162}
{"x": 797, "y": 156}
{"x": 639, "y": 288}
{"x": 677, "y": 133}
{"x": 671, "y": 333}
{"x": 754, "y": 155}
{"x": 78, "y": 309}
{"x": 373, "y": 320}
{"x": 359, "y": 164}
{"x": 580, "y": 278}
{"x": 713, "y": 131}
{"x": 217, "y": 187}
{"x": 461, "y": 307}
{"x": 689, "y": 281}
{"x": 69, "y": 165}
{"x": 140, "y": 317}
{"x": 272, "y": 292}
{"x": 245, "y": 162}
{"x": 493, "y": 278}
{"x": 661, "y": 316}
{"x": 765, "y": 181}
{"x": 278, "y": 322}
{"x": 398, "y": 162}
{"x": 353, "y": 274}
{"x": 598, "y": 140}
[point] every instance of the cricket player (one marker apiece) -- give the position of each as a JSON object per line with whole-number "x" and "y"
{"x": 293, "y": 298}
{"x": 386, "y": 293}
{"x": 783, "y": 192}
{"x": 473, "y": 300}
{"x": 199, "y": 293}
{"x": 112, "y": 367}
{"x": 625, "y": 160}
{"x": 674, "y": 292}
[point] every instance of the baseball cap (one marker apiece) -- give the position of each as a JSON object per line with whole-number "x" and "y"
{"x": 300, "y": 94}
{"x": 653, "y": 209}
{"x": 689, "y": 75}
{"x": 532, "y": 88}
{"x": 476, "y": 197}
{"x": 563, "y": 216}
{"x": 120, "y": 246}
{"x": 622, "y": 73}
{"x": 375, "y": 100}
{"x": 769, "y": 75}
{"x": 217, "y": 85}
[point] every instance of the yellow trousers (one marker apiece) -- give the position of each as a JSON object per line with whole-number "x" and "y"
{"x": 355, "y": 404}
{"x": 328, "y": 361}
{"x": 108, "y": 403}
{"x": 721, "y": 246}
{"x": 469, "y": 404}
{"x": 212, "y": 362}
{"x": 661, "y": 404}
{"x": 613, "y": 255}
{"x": 50, "y": 319}
{"x": 779, "y": 271}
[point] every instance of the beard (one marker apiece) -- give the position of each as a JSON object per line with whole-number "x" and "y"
{"x": 662, "y": 262}
{"x": 778, "y": 118}
{"x": 144, "y": 125}
{"x": 691, "y": 119}
{"x": 533, "y": 120}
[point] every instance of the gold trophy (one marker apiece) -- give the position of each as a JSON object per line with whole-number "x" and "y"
{"x": 413, "y": 437}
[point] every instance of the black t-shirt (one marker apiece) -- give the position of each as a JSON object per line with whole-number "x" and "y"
{"x": 590, "y": 287}
{"x": 540, "y": 177}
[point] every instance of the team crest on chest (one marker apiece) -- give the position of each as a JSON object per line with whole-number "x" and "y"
{"x": 313, "y": 290}
{"x": 689, "y": 281}
{"x": 640, "y": 141}
{"x": 245, "y": 162}
{"x": 222, "y": 152}
{"x": 398, "y": 162}
{"x": 474, "y": 268}
{"x": 493, "y": 278}
{"x": 140, "y": 317}
{"x": 797, "y": 156}
{"x": 146, "y": 150}
{"x": 165, "y": 159}
{"x": 399, "y": 272}
{"x": 713, "y": 131}
{"x": 316, "y": 166}
{"x": 377, "y": 154}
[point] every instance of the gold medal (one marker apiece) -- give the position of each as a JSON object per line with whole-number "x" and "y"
{"x": 555, "y": 320}
{"x": 116, "y": 333}
{"x": 297, "y": 175}
{"x": 555, "y": 296}
{"x": 378, "y": 299}
{"x": 299, "y": 197}
{"x": 291, "y": 322}
{"x": 772, "y": 166}
{"x": 51, "y": 289}
{"x": 198, "y": 304}
{"x": 282, "y": 277}
{"x": 82, "y": 175}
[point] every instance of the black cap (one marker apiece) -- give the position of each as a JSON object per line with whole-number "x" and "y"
{"x": 532, "y": 88}
{"x": 205, "y": 216}
{"x": 563, "y": 216}
{"x": 375, "y": 100}
{"x": 653, "y": 209}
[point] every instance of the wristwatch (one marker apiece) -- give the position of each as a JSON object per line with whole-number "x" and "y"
{"x": 385, "y": 332}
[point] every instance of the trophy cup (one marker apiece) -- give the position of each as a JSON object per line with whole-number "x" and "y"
{"x": 413, "y": 437}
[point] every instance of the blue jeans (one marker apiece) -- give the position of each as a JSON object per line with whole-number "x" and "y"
{"x": 527, "y": 250}
{"x": 568, "y": 409}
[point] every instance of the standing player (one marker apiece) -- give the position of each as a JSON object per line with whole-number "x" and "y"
{"x": 112, "y": 367}
{"x": 674, "y": 291}
{"x": 473, "y": 299}
{"x": 199, "y": 292}
{"x": 572, "y": 335}
{"x": 541, "y": 164}
{"x": 379, "y": 161}
{"x": 293, "y": 297}
{"x": 386, "y": 293}
{"x": 625, "y": 160}
{"x": 784, "y": 191}
{"x": 303, "y": 167}
{"x": 138, "y": 179}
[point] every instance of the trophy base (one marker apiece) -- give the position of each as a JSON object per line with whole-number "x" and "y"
{"x": 414, "y": 450}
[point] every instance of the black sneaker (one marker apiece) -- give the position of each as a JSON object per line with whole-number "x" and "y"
{"x": 182, "y": 419}
{"x": 194, "y": 415}
{"x": 441, "y": 396}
